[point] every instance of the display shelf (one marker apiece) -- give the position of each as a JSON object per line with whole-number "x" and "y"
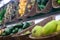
{"x": 38, "y": 16}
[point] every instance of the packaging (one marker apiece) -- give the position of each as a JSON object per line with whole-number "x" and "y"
{"x": 47, "y": 8}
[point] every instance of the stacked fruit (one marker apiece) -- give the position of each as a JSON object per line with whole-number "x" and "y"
{"x": 14, "y": 29}
{"x": 48, "y": 29}
{"x": 42, "y": 4}
{"x": 22, "y": 6}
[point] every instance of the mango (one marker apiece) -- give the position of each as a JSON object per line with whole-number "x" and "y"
{"x": 58, "y": 25}
{"x": 50, "y": 27}
{"x": 37, "y": 31}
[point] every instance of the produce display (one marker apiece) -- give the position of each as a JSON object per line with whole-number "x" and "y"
{"x": 14, "y": 29}
{"x": 30, "y": 5}
{"x": 22, "y": 6}
{"x": 46, "y": 30}
{"x": 42, "y": 4}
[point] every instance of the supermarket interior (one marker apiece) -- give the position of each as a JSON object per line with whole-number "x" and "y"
{"x": 29, "y": 19}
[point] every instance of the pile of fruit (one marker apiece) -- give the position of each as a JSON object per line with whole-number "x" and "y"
{"x": 46, "y": 30}
{"x": 22, "y": 6}
{"x": 14, "y": 29}
{"x": 25, "y": 5}
{"x": 42, "y": 4}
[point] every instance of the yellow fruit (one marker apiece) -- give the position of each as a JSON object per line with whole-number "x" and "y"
{"x": 22, "y": 6}
{"x": 37, "y": 31}
{"x": 50, "y": 27}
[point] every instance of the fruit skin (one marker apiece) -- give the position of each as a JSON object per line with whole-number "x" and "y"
{"x": 50, "y": 27}
{"x": 20, "y": 30}
{"x": 15, "y": 30}
{"x": 26, "y": 24}
{"x": 19, "y": 25}
{"x": 58, "y": 25}
{"x": 37, "y": 31}
{"x": 58, "y": 22}
{"x": 8, "y": 31}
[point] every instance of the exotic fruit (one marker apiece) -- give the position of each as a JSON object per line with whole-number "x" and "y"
{"x": 50, "y": 27}
{"x": 58, "y": 25}
{"x": 37, "y": 31}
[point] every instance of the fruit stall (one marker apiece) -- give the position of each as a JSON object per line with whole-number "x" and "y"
{"x": 29, "y": 19}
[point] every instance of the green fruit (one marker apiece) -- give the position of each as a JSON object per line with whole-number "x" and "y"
{"x": 50, "y": 27}
{"x": 11, "y": 28}
{"x": 41, "y": 6}
{"x": 15, "y": 30}
{"x": 58, "y": 22}
{"x": 37, "y": 31}
{"x": 58, "y": 27}
{"x": 19, "y": 30}
{"x": 4, "y": 34}
{"x": 58, "y": 1}
{"x": 19, "y": 25}
{"x": 26, "y": 24}
{"x": 8, "y": 31}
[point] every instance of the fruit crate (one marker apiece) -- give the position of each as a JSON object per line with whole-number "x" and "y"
{"x": 55, "y": 4}
{"x": 53, "y": 36}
